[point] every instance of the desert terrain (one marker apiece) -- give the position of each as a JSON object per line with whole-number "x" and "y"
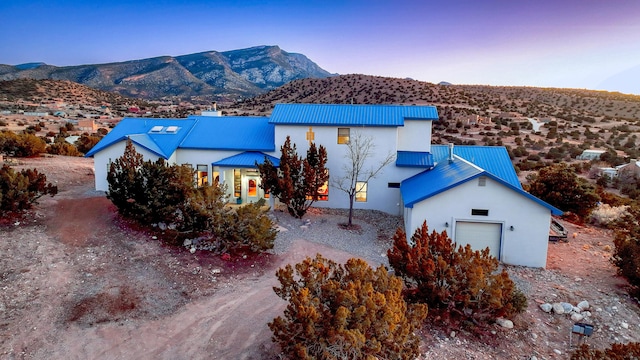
{"x": 78, "y": 282}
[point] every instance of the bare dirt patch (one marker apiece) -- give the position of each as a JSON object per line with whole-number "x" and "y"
{"x": 76, "y": 282}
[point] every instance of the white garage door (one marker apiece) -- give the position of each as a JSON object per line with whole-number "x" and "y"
{"x": 479, "y": 236}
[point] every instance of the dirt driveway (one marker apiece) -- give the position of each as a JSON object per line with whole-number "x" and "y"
{"x": 78, "y": 283}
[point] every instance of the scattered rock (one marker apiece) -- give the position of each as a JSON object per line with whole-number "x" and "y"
{"x": 546, "y": 307}
{"x": 557, "y": 351}
{"x": 505, "y": 323}
{"x": 583, "y": 305}
{"x": 567, "y": 307}
{"x": 558, "y": 308}
{"x": 624, "y": 325}
{"x": 577, "y": 317}
{"x": 187, "y": 242}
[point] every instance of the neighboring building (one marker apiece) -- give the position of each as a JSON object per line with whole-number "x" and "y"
{"x": 471, "y": 191}
{"x": 590, "y": 154}
{"x": 630, "y": 170}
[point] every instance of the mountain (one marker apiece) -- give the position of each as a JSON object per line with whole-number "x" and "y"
{"x": 627, "y": 81}
{"x": 212, "y": 75}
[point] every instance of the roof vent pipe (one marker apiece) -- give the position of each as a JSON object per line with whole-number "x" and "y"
{"x": 451, "y": 153}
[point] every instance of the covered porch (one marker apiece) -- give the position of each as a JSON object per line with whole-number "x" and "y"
{"x": 242, "y": 178}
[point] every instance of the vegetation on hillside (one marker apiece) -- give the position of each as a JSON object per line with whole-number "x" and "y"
{"x": 453, "y": 281}
{"x": 348, "y": 311}
{"x": 616, "y": 351}
{"x": 157, "y": 194}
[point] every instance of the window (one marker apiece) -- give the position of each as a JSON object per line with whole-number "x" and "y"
{"x": 394, "y": 185}
{"x": 481, "y": 212}
{"x": 323, "y": 192}
{"x": 482, "y": 181}
{"x": 216, "y": 177}
{"x": 343, "y": 135}
{"x": 252, "y": 191}
{"x": 361, "y": 191}
{"x": 202, "y": 175}
{"x": 237, "y": 183}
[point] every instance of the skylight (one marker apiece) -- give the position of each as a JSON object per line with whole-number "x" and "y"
{"x": 172, "y": 129}
{"x": 156, "y": 129}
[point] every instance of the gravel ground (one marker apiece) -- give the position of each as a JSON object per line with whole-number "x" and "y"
{"x": 322, "y": 226}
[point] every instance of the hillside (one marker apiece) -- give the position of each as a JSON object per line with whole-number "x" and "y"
{"x": 206, "y": 76}
{"x": 471, "y": 99}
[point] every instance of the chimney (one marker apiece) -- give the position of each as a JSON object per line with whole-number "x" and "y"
{"x": 450, "y": 153}
{"x": 215, "y": 106}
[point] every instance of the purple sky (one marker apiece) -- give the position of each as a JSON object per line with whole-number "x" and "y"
{"x": 593, "y": 44}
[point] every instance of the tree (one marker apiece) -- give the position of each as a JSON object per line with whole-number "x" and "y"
{"x": 560, "y": 186}
{"x": 344, "y": 312}
{"x": 461, "y": 280}
{"x": 297, "y": 181}
{"x": 20, "y": 190}
{"x": 162, "y": 195}
{"x": 626, "y": 256}
{"x": 359, "y": 149}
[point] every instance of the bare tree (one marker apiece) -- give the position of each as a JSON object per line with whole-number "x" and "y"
{"x": 359, "y": 148}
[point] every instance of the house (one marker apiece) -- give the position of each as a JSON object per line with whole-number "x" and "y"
{"x": 590, "y": 154}
{"x": 470, "y": 191}
{"x": 631, "y": 170}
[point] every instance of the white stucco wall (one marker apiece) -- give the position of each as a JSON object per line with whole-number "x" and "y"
{"x": 526, "y": 245}
{"x": 102, "y": 159}
{"x": 379, "y": 195}
{"x": 415, "y": 135}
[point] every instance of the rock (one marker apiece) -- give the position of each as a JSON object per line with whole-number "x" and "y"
{"x": 586, "y": 313}
{"x": 154, "y": 237}
{"x": 192, "y": 250}
{"x": 557, "y": 351}
{"x": 624, "y": 325}
{"x": 534, "y": 336}
{"x": 533, "y": 358}
{"x": 558, "y": 308}
{"x": 576, "y": 317}
{"x": 187, "y": 242}
{"x": 576, "y": 310}
{"x": 567, "y": 307}
{"x": 546, "y": 307}
{"x": 583, "y": 305}
{"x": 162, "y": 226}
{"x": 453, "y": 334}
{"x": 505, "y": 323}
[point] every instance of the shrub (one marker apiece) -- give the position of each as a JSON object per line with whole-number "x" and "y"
{"x": 63, "y": 148}
{"x": 20, "y": 190}
{"x": 461, "y": 280}
{"x": 605, "y": 214}
{"x": 154, "y": 193}
{"x": 615, "y": 352}
{"x": 626, "y": 256}
{"x": 344, "y": 312}
{"x": 561, "y": 187}
{"x": 21, "y": 145}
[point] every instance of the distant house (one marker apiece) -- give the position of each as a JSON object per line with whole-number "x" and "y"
{"x": 472, "y": 192}
{"x": 590, "y": 154}
{"x": 630, "y": 170}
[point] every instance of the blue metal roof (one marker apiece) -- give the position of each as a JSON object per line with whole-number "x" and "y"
{"x": 231, "y": 133}
{"x": 493, "y": 159}
{"x": 246, "y": 159}
{"x": 414, "y": 159}
{"x": 447, "y": 175}
{"x": 162, "y": 143}
{"x": 350, "y": 115}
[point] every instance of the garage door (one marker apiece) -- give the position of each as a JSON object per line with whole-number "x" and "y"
{"x": 479, "y": 236}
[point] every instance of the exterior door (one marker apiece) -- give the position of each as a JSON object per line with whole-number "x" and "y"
{"x": 479, "y": 235}
{"x": 253, "y": 190}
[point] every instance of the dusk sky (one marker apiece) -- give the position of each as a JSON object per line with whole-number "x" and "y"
{"x": 593, "y": 44}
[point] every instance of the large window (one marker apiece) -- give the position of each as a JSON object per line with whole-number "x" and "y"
{"x": 202, "y": 175}
{"x": 361, "y": 191}
{"x": 237, "y": 183}
{"x": 343, "y": 135}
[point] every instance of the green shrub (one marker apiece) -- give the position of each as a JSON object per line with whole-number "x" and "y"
{"x": 63, "y": 148}
{"x": 21, "y": 145}
{"x": 344, "y": 312}
{"x": 154, "y": 193}
{"x": 461, "y": 280}
{"x": 626, "y": 256}
{"x": 20, "y": 190}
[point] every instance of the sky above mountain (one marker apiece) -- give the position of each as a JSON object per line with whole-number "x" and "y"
{"x": 591, "y": 44}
